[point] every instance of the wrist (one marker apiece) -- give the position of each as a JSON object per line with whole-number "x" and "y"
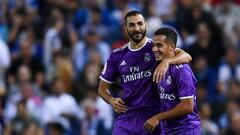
{"x": 111, "y": 99}
{"x": 167, "y": 60}
{"x": 159, "y": 117}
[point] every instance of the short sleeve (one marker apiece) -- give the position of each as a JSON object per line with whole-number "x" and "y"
{"x": 110, "y": 71}
{"x": 185, "y": 81}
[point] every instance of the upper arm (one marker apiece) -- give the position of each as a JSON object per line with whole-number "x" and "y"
{"x": 185, "y": 81}
{"x": 179, "y": 51}
{"x": 186, "y": 86}
{"x": 110, "y": 71}
{"x": 103, "y": 85}
{"x": 186, "y": 56}
{"x": 188, "y": 103}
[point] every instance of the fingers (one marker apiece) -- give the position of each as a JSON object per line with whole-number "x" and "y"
{"x": 121, "y": 101}
{"x": 163, "y": 74}
{"x": 117, "y": 110}
{"x": 119, "y": 106}
{"x": 149, "y": 127}
{"x": 156, "y": 74}
{"x": 120, "y": 109}
{"x": 160, "y": 71}
{"x": 159, "y": 74}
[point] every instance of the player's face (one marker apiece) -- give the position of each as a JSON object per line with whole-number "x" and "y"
{"x": 136, "y": 27}
{"x": 160, "y": 47}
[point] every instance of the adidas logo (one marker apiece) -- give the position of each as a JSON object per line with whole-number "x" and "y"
{"x": 123, "y": 63}
{"x": 179, "y": 66}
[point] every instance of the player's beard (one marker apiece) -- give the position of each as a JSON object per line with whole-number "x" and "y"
{"x": 137, "y": 40}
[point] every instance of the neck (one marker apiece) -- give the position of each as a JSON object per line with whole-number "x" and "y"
{"x": 135, "y": 45}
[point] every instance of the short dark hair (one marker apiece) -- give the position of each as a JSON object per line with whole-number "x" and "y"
{"x": 131, "y": 13}
{"x": 171, "y": 35}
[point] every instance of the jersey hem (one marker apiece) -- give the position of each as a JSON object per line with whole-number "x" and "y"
{"x": 105, "y": 80}
{"x": 187, "y": 97}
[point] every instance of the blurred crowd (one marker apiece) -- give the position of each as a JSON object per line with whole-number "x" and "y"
{"x": 52, "y": 52}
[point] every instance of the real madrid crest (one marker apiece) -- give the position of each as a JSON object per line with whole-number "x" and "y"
{"x": 147, "y": 57}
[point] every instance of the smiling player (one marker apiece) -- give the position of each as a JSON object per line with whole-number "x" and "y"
{"x": 177, "y": 91}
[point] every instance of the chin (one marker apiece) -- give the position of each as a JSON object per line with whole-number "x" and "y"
{"x": 158, "y": 59}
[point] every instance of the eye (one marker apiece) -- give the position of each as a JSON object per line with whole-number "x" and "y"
{"x": 131, "y": 25}
{"x": 158, "y": 45}
{"x": 140, "y": 23}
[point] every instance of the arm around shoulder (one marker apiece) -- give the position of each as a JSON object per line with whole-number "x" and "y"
{"x": 181, "y": 57}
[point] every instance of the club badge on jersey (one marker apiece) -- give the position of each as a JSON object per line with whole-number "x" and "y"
{"x": 147, "y": 57}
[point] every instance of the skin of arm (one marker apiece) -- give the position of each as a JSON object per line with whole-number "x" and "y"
{"x": 180, "y": 58}
{"x": 184, "y": 107}
{"x": 103, "y": 91}
{"x": 116, "y": 103}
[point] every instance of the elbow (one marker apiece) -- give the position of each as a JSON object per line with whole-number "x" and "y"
{"x": 189, "y": 109}
{"x": 99, "y": 91}
{"x": 188, "y": 58}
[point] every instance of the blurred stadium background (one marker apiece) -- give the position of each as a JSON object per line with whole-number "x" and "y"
{"x": 52, "y": 52}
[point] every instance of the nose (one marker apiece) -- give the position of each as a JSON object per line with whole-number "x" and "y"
{"x": 137, "y": 28}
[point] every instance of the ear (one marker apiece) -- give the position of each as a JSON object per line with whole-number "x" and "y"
{"x": 125, "y": 27}
{"x": 173, "y": 46}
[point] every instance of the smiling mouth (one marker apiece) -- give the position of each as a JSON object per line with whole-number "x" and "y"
{"x": 137, "y": 35}
{"x": 157, "y": 53}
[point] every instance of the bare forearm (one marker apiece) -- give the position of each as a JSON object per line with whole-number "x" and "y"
{"x": 176, "y": 112}
{"x": 105, "y": 95}
{"x": 180, "y": 57}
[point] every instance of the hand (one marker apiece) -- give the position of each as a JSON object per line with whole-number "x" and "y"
{"x": 118, "y": 105}
{"x": 151, "y": 124}
{"x": 160, "y": 71}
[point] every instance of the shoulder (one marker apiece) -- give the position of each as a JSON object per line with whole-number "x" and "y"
{"x": 116, "y": 53}
{"x": 180, "y": 66}
{"x": 181, "y": 69}
{"x": 121, "y": 49}
{"x": 149, "y": 42}
{"x": 183, "y": 72}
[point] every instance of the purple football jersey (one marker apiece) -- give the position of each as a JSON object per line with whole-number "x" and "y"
{"x": 135, "y": 69}
{"x": 179, "y": 83}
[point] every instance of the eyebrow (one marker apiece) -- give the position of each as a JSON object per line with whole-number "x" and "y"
{"x": 158, "y": 44}
{"x": 140, "y": 22}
